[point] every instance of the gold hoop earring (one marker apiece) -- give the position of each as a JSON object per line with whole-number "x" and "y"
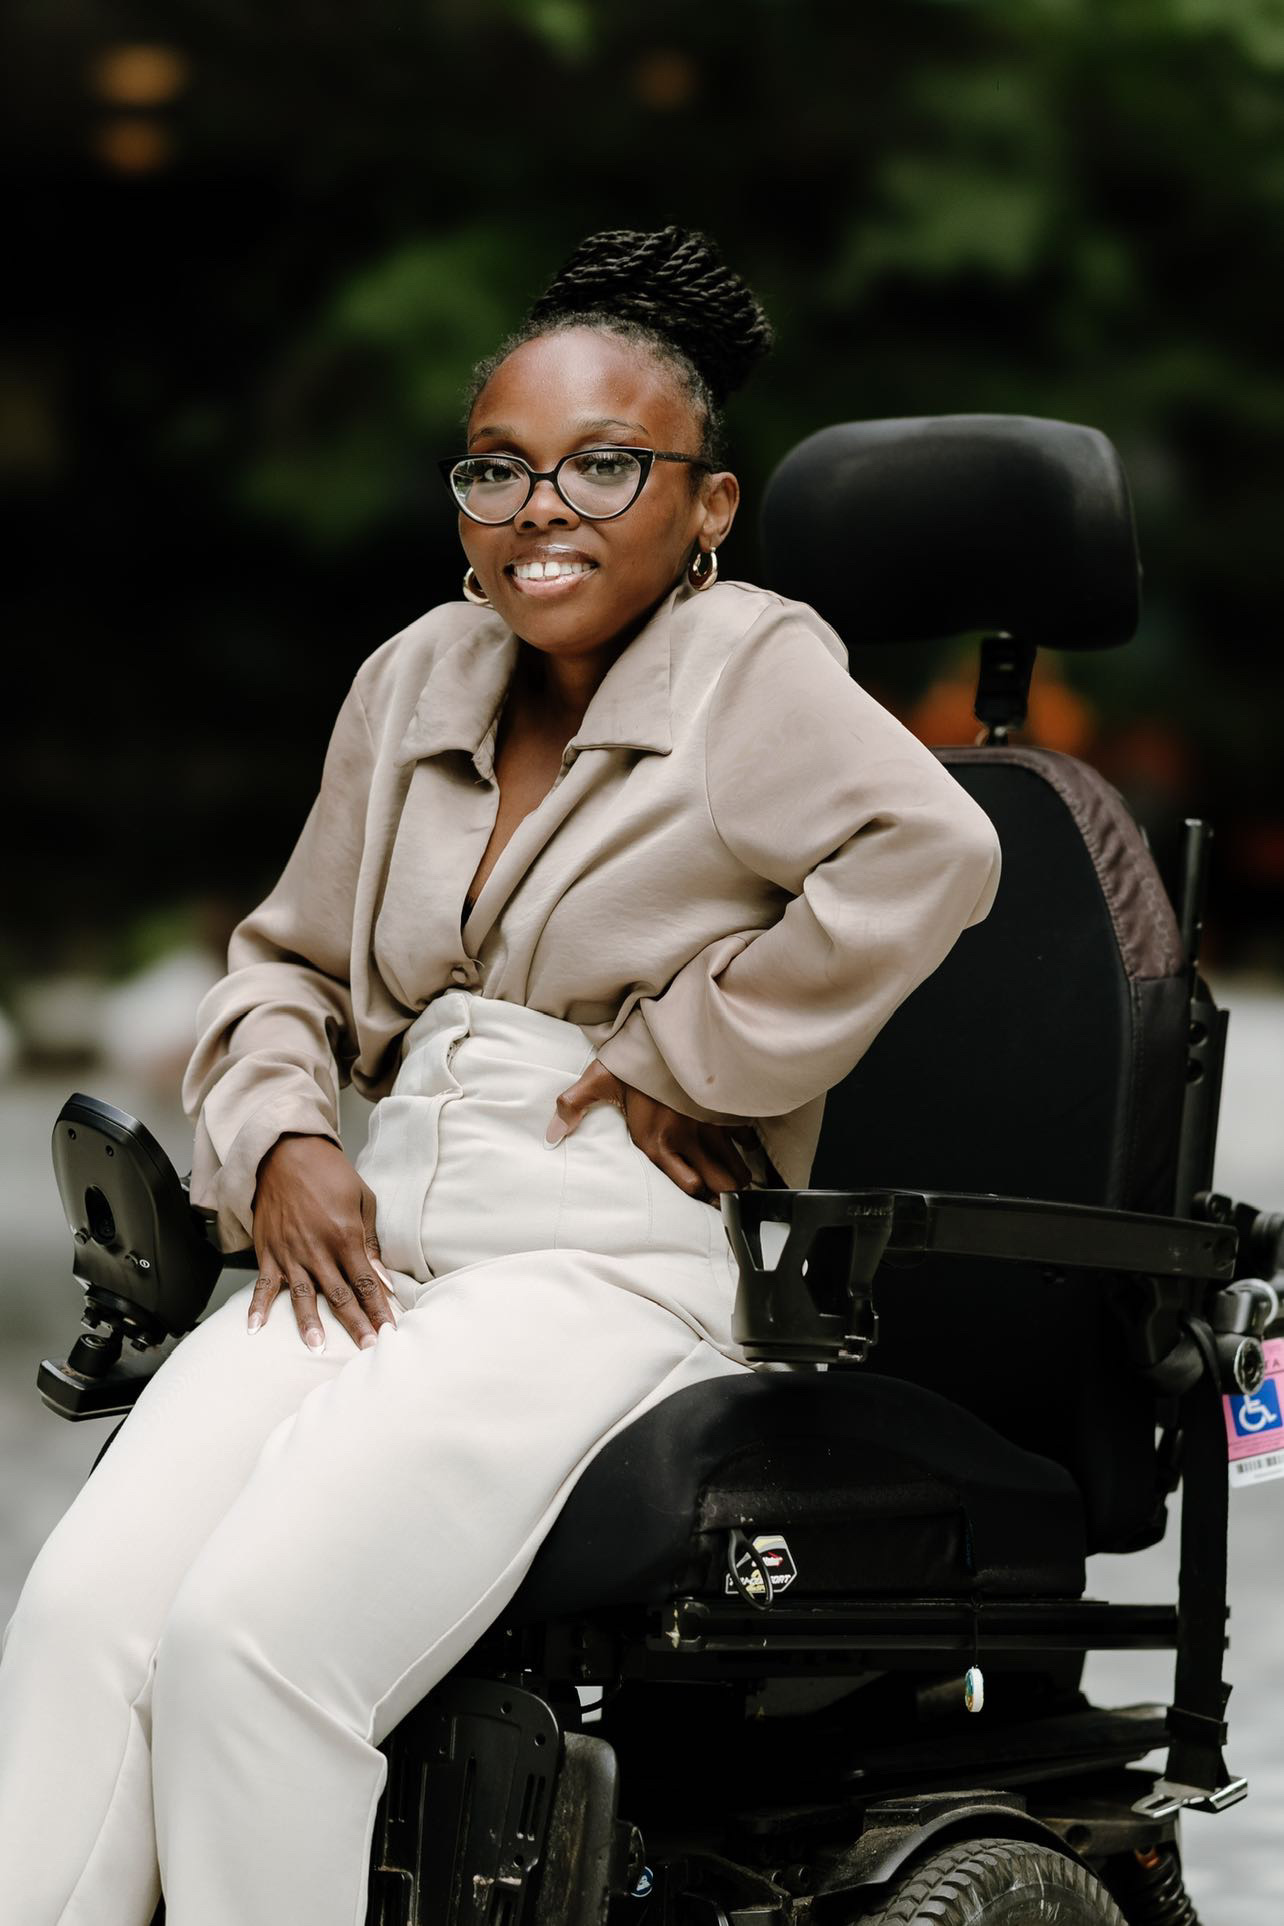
{"x": 473, "y": 590}
{"x": 703, "y": 578}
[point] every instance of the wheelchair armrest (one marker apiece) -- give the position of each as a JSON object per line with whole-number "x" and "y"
{"x": 1069, "y": 1236}
{"x": 142, "y": 1253}
{"x": 815, "y": 1303}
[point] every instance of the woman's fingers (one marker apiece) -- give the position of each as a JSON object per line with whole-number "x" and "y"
{"x": 303, "y": 1298}
{"x": 266, "y": 1287}
{"x": 361, "y": 1300}
{"x": 370, "y": 1236}
{"x": 597, "y": 1084}
{"x": 722, "y": 1165}
{"x": 665, "y": 1153}
{"x": 357, "y": 1303}
{"x": 701, "y": 1159}
{"x": 369, "y": 1290}
{"x": 314, "y": 1219}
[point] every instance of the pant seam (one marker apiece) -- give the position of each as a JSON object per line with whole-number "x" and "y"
{"x": 124, "y": 1753}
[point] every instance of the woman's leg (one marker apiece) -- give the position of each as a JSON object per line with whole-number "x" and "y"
{"x": 381, "y": 1530}
{"x": 76, "y": 1828}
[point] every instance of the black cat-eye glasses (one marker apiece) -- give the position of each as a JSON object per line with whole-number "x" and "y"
{"x": 597, "y": 483}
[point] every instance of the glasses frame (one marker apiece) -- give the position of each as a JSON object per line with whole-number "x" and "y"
{"x": 645, "y": 457}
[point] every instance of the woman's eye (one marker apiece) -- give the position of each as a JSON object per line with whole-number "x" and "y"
{"x": 602, "y": 467}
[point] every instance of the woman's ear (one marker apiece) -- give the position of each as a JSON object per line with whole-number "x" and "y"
{"x": 721, "y": 498}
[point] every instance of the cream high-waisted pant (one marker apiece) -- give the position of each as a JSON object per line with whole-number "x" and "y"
{"x": 283, "y": 1552}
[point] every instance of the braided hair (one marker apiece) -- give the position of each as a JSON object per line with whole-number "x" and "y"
{"x": 670, "y": 292}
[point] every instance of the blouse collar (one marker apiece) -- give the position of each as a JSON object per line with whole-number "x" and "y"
{"x": 460, "y": 702}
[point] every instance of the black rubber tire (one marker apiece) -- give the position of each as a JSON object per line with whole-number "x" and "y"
{"x": 998, "y": 1882}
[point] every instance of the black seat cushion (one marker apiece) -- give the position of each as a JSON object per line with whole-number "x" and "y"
{"x": 879, "y": 1487}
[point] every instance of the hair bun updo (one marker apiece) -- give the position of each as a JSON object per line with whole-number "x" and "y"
{"x": 673, "y": 283}
{"x": 670, "y": 292}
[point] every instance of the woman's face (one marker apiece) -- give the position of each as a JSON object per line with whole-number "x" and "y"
{"x": 585, "y": 388}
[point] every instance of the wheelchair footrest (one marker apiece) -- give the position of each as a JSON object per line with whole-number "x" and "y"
{"x": 1169, "y": 1798}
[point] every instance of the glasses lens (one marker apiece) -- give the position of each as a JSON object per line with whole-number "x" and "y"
{"x": 602, "y": 481}
{"x": 489, "y": 487}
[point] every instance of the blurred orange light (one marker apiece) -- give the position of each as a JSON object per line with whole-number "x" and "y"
{"x": 1258, "y": 852}
{"x": 139, "y": 75}
{"x": 943, "y": 714}
{"x": 132, "y": 145}
{"x": 1148, "y": 753}
{"x": 665, "y": 80}
{"x": 1059, "y": 718}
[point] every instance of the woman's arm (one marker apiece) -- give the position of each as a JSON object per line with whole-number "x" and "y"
{"x": 276, "y": 1037}
{"x": 815, "y": 786}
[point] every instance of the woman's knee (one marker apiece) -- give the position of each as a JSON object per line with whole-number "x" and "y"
{"x": 69, "y": 1610}
{"x": 224, "y": 1623}
{"x": 204, "y": 1641}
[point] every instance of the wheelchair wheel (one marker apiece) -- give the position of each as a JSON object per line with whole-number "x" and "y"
{"x": 998, "y": 1882}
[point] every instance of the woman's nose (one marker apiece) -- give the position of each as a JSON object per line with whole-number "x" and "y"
{"x": 546, "y": 509}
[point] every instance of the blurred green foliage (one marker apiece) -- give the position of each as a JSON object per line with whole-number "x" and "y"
{"x": 1071, "y": 208}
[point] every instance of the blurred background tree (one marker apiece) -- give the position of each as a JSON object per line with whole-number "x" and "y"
{"x": 255, "y": 252}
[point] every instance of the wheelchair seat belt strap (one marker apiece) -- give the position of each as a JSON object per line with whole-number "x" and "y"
{"x": 1196, "y": 1774}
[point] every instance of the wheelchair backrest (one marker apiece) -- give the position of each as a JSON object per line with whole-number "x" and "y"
{"x": 1046, "y": 1057}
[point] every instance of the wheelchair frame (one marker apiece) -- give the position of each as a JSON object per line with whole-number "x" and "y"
{"x": 499, "y": 1753}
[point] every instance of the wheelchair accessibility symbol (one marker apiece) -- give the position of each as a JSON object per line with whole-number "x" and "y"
{"x": 1258, "y": 1411}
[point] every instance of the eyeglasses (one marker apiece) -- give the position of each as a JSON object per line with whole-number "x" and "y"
{"x": 597, "y": 483}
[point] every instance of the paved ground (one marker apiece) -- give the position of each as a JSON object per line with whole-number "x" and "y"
{"x": 1235, "y": 1869}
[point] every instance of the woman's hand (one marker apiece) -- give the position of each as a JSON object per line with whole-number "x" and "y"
{"x": 314, "y": 1230}
{"x": 701, "y": 1158}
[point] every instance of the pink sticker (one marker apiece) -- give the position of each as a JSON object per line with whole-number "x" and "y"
{"x": 1255, "y": 1423}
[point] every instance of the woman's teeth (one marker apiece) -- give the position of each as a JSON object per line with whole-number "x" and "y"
{"x": 548, "y": 571}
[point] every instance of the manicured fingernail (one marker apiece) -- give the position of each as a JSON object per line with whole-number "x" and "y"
{"x": 256, "y": 1319}
{"x": 555, "y": 1132}
{"x": 315, "y": 1340}
{"x": 369, "y": 1341}
{"x": 387, "y": 1325}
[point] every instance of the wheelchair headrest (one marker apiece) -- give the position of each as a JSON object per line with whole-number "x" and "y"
{"x": 927, "y": 526}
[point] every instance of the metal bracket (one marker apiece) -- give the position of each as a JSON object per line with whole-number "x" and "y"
{"x": 1169, "y": 1798}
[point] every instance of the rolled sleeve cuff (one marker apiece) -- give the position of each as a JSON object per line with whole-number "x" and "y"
{"x": 633, "y": 1055}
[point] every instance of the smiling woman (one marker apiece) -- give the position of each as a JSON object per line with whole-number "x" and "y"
{"x": 605, "y": 404}
{"x": 613, "y": 871}
{"x": 616, "y": 499}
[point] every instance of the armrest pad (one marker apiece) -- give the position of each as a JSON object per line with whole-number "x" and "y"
{"x": 1019, "y": 1230}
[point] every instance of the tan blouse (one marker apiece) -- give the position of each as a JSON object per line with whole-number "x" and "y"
{"x": 743, "y": 866}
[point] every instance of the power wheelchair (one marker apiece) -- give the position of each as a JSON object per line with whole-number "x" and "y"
{"x": 806, "y": 1646}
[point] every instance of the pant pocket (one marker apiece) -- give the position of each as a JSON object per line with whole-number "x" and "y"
{"x": 605, "y": 1200}
{"x": 398, "y": 1162}
{"x": 680, "y": 1222}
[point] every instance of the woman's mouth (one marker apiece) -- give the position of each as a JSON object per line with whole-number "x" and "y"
{"x": 545, "y": 579}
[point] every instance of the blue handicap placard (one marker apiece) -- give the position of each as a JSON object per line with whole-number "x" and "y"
{"x": 1258, "y": 1412}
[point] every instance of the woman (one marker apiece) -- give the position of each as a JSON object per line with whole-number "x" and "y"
{"x": 612, "y": 873}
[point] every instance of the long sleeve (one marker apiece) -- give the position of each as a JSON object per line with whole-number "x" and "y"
{"x": 276, "y": 1036}
{"x": 884, "y": 860}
